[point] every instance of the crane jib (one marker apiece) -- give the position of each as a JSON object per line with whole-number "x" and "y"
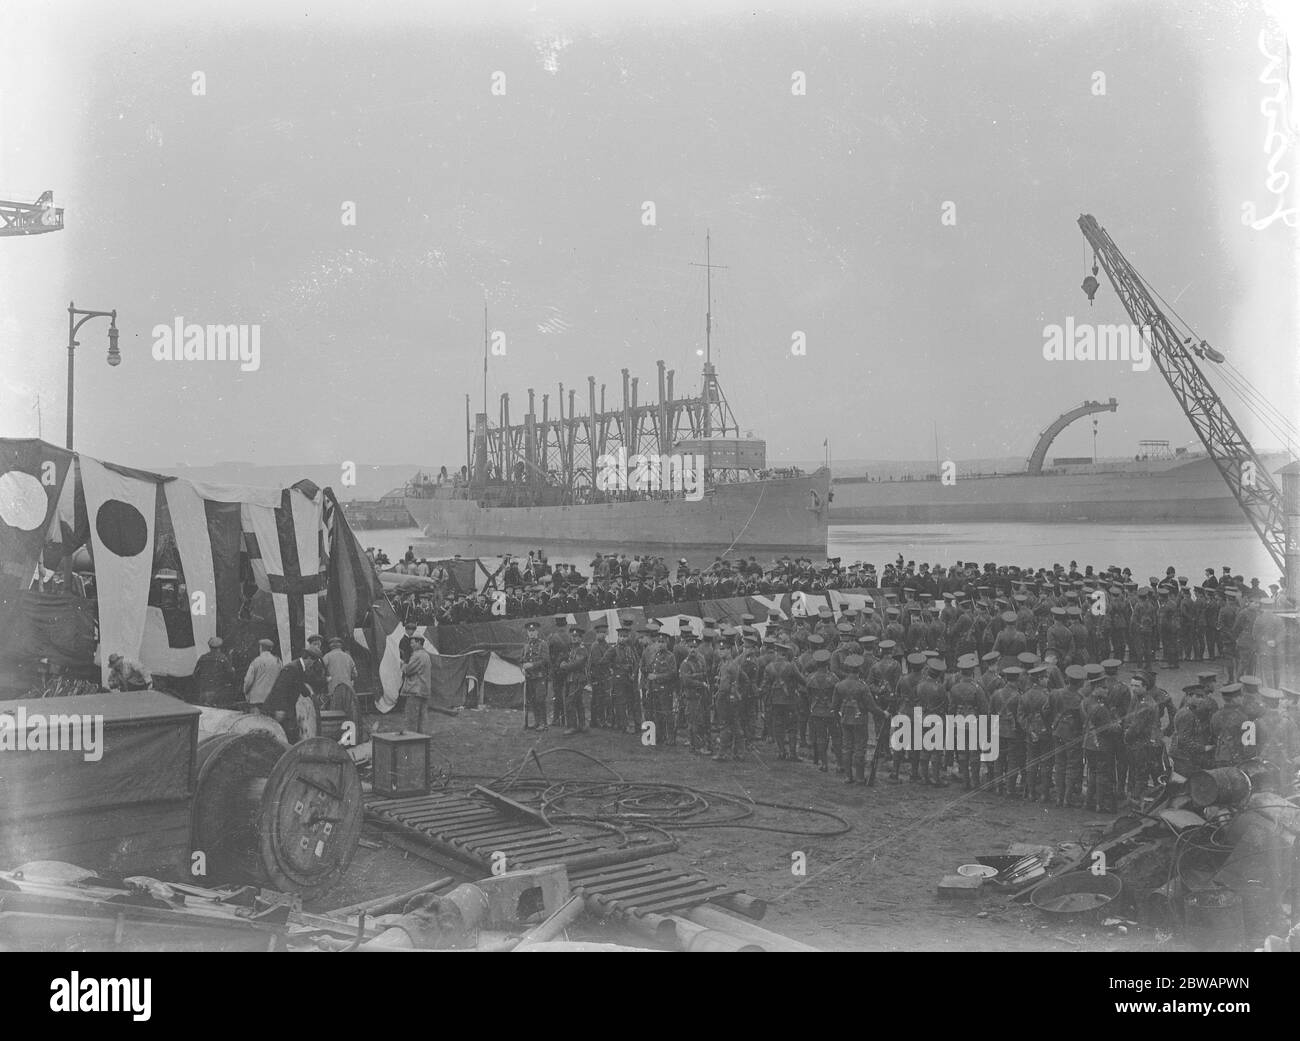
{"x": 1245, "y": 474}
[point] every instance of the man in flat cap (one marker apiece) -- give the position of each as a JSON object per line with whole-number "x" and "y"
{"x": 214, "y": 676}
{"x": 417, "y": 686}
{"x": 261, "y": 674}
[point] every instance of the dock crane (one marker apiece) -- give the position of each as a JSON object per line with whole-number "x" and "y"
{"x": 28, "y": 218}
{"x": 1247, "y": 478}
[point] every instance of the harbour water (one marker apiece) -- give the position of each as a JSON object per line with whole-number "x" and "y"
{"x": 1147, "y": 549}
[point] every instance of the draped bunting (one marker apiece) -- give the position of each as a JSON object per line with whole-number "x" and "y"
{"x": 121, "y": 511}
{"x": 224, "y": 535}
{"x": 32, "y": 476}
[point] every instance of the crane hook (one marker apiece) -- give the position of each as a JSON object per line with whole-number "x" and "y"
{"x": 1090, "y": 286}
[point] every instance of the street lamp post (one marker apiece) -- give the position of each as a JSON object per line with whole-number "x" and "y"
{"x": 76, "y": 319}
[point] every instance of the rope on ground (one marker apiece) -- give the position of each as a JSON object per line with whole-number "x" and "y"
{"x": 622, "y": 805}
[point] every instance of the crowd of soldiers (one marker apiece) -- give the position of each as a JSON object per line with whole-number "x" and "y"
{"x": 1188, "y": 609}
{"x": 1045, "y": 661}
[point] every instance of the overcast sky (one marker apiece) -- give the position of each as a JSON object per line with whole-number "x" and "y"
{"x": 225, "y": 207}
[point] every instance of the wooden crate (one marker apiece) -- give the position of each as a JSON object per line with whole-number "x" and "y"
{"x": 403, "y": 764}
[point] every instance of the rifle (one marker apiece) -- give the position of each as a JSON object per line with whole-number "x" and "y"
{"x": 882, "y": 739}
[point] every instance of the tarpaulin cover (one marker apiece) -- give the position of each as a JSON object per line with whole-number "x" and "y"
{"x": 507, "y": 637}
{"x": 449, "y": 674}
{"x": 148, "y": 746}
{"x": 50, "y": 625}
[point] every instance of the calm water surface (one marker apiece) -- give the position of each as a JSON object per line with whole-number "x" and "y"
{"x": 1146, "y": 549}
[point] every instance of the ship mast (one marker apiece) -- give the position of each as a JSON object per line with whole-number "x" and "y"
{"x": 711, "y": 391}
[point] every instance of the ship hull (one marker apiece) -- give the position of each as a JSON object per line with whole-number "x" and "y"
{"x": 1190, "y": 492}
{"x": 775, "y": 516}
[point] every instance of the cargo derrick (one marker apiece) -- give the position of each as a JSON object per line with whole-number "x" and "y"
{"x": 1247, "y": 477}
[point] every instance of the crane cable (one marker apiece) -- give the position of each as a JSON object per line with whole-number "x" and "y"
{"x": 1271, "y": 417}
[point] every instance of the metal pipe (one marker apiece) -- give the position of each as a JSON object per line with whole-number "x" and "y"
{"x": 381, "y": 905}
{"x": 716, "y": 918}
{"x": 564, "y": 916}
{"x": 696, "y": 938}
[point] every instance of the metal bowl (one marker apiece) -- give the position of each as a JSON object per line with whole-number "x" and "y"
{"x": 977, "y": 871}
{"x": 1078, "y": 896}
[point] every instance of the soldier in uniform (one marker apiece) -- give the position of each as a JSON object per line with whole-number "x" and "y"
{"x": 1142, "y": 736}
{"x": 907, "y": 700}
{"x": 932, "y": 695}
{"x": 1034, "y": 710}
{"x": 1010, "y": 642}
{"x": 1229, "y": 726}
{"x": 1190, "y": 620}
{"x": 1059, "y": 637}
{"x": 1066, "y": 721}
{"x": 1167, "y": 617}
{"x": 821, "y": 690}
{"x": 558, "y": 645}
{"x": 1142, "y": 630}
{"x": 1101, "y": 734}
{"x": 1117, "y": 622}
{"x": 574, "y": 671}
{"x": 1279, "y": 741}
{"x": 966, "y": 698}
{"x": 599, "y": 656}
{"x": 855, "y": 706}
{"x": 692, "y": 676}
{"x": 1227, "y": 622}
{"x": 536, "y": 661}
{"x": 624, "y": 667}
{"x": 1208, "y": 601}
{"x": 783, "y": 683}
{"x": 661, "y": 676}
{"x": 1005, "y": 702}
{"x": 1251, "y": 702}
{"x": 728, "y": 702}
{"x": 1188, "y": 748}
{"x": 1292, "y": 704}
{"x": 813, "y": 643}
{"x": 1115, "y": 692}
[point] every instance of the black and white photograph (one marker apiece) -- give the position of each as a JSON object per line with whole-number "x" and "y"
{"x": 651, "y": 476}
